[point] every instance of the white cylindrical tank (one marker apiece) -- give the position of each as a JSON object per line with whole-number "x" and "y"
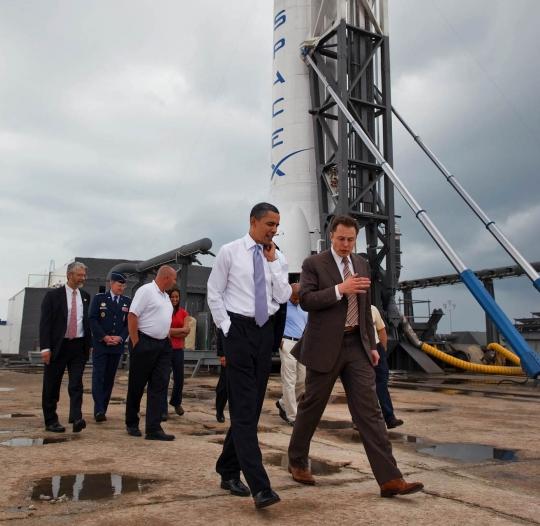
{"x": 293, "y": 186}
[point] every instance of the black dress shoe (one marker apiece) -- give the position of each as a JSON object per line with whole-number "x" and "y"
{"x": 164, "y": 417}
{"x": 282, "y": 413}
{"x": 220, "y": 417}
{"x": 395, "y": 422}
{"x": 55, "y": 428}
{"x": 134, "y": 431}
{"x": 79, "y": 425}
{"x": 100, "y": 417}
{"x": 264, "y": 498}
{"x": 179, "y": 410}
{"x": 236, "y": 487}
{"x": 159, "y": 435}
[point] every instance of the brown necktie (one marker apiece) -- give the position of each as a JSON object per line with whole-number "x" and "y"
{"x": 352, "y": 309}
{"x": 72, "y": 324}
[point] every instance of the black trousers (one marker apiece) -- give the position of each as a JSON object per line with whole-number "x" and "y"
{"x": 177, "y": 367}
{"x": 72, "y": 356}
{"x": 381, "y": 382}
{"x": 149, "y": 363}
{"x": 221, "y": 391}
{"x": 248, "y": 351}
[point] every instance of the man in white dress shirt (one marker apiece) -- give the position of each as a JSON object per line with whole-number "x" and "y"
{"x": 149, "y": 321}
{"x": 245, "y": 288}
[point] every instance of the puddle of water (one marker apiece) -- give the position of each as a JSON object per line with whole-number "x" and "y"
{"x": 16, "y": 415}
{"x": 199, "y": 395}
{"x": 6, "y": 389}
{"x": 400, "y": 437}
{"x": 117, "y": 400}
{"x": 469, "y": 452}
{"x": 318, "y": 467}
{"x": 335, "y": 424}
{"x": 95, "y": 486}
{"x": 25, "y": 442}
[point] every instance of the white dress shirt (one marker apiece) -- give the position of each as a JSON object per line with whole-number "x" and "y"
{"x": 153, "y": 309}
{"x": 341, "y": 267}
{"x": 231, "y": 286}
{"x": 80, "y": 312}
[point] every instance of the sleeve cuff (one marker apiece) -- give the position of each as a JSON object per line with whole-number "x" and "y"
{"x": 225, "y": 326}
{"x": 338, "y": 294}
{"x": 45, "y": 350}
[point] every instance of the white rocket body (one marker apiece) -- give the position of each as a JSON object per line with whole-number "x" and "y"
{"x": 293, "y": 186}
{"x": 293, "y": 183}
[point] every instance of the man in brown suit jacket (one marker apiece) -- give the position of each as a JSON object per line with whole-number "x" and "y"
{"x": 339, "y": 342}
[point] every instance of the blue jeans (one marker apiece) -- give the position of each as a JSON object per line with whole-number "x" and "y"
{"x": 381, "y": 382}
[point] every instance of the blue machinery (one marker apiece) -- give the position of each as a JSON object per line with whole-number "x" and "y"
{"x": 529, "y": 359}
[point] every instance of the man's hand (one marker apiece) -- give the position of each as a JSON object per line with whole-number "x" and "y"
{"x": 375, "y": 357}
{"x": 223, "y": 361}
{"x": 46, "y": 357}
{"x": 269, "y": 252}
{"x": 354, "y": 285}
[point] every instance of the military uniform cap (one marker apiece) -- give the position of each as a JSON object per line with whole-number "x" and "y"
{"x": 118, "y": 276}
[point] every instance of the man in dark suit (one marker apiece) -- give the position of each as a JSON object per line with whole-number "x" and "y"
{"x": 108, "y": 321}
{"x": 339, "y": 342}
{"x": 65, "y": 341}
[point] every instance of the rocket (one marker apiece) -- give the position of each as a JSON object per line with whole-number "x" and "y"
{"x": 293, "y": 176}
{"x": 293, "y": 187}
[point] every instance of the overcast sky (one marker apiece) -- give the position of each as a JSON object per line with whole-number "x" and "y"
{"x": 128, "y": 128}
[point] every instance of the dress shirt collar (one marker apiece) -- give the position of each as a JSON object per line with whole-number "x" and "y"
{"x": 249, "y": 242}
{"x": 339, "y": 259}
{"x": 70, "y": 290}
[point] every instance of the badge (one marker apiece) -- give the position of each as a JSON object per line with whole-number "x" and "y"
{"x": 103, "y": 315}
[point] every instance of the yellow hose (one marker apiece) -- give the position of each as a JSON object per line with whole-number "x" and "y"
{"x": 509, "y": 355}
{"x": 474, "y": 367}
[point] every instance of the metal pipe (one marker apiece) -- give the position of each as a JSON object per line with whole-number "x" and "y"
{"x": 473, "y": 205}
{"x": 530, "y": 360}
{"x": 183, "y": 254}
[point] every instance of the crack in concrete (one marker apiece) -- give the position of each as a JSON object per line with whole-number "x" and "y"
{"x": 489, "y": 509}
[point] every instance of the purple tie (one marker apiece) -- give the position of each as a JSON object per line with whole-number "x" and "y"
{"x": 261, "y": 304}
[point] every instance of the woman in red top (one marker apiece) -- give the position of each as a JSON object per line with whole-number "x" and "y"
{"x": 177, "y": 334}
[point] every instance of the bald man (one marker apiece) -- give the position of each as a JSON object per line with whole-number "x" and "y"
{"x": 149, "y": 321}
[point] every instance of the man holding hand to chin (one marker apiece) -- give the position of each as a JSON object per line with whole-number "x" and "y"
{"x": 245, "y": 288}
{"x": 339, "y": 342}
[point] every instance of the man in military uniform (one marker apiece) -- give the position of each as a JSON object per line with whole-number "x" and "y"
{"x": 108, "y": 321}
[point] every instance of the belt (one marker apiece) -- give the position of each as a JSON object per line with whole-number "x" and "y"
{"x": 234, "y": 315}
{"x": 350, "y": 328}
{"x": 291, "y": 338}
{"x": 144, "y": 335}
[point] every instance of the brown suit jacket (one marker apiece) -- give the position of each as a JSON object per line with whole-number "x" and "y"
{"x": 320, "y": 344}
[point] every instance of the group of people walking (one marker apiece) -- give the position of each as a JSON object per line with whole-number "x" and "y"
{"x": 329, "y": 333}
{"x": 71, "y": 325}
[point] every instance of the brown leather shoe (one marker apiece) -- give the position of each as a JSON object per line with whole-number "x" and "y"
{"x": 400, "y": 487}
{"x": 302, "y": 475}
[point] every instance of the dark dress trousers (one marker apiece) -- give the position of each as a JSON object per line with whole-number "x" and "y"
{"x": 328, "y": 354}
{"x": 107, "y": 318}
{"x": 72, "y": 354}
{"x": 248, "y": 351}
{"x": 221, "y": 386}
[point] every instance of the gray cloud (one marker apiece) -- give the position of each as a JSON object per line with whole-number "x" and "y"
{"x": 129, "y": 128}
